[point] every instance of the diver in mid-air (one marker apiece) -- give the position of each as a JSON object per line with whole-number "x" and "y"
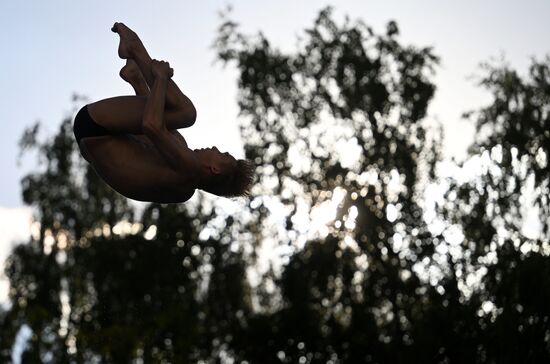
{"x": 133, "y": 143}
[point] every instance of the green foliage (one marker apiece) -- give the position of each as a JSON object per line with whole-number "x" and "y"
{"x": 345, "y": 85}
{"x": 499, "y": 209}
{"x": 92, "y": 292}
{"x": 341, "y": 123}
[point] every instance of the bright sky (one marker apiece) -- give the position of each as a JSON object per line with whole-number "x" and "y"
{"x": 53, "y": 49}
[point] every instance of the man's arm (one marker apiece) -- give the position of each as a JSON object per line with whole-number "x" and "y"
{"x": 176, "y": 154}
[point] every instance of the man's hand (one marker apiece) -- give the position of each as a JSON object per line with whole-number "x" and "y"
{"x": 161, "y": 69}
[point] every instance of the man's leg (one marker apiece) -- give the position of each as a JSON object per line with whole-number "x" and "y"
{"x": 131, "y": 47}
{"x": 131, "y": 74}
{"x": 124, "y": 114}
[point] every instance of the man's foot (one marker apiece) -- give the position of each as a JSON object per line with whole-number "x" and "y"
{"x": 131, "y": 73}
{"x": 129, "y": 41}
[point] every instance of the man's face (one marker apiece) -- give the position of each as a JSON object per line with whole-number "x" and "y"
{"x": 219, "y": 162}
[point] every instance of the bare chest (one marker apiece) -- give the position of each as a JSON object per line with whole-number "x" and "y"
{"x": 135, "y": 170}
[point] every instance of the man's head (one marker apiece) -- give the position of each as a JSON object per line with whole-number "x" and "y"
{"x": 223, "y": 175}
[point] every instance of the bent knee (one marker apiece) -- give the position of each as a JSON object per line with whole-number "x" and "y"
{"x": 185, "y": 118}
{"x": 190, "y": 115}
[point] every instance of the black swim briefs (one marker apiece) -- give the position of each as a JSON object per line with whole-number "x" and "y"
{"x": 84, "y": 126}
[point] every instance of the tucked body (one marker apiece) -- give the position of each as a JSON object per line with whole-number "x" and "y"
{"x": 133, "y": 143}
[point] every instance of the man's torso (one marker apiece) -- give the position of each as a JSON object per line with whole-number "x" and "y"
{"x": 131, "y": 165}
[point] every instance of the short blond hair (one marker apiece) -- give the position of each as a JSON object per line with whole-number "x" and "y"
{"x": 236, "y": 183}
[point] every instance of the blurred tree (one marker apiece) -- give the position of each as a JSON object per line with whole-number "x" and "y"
{"x": 95, "y": 285}
{"x": 69, "y": 202}
{"x": 503, "y": 213}
{"x": 338, "y": 128}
